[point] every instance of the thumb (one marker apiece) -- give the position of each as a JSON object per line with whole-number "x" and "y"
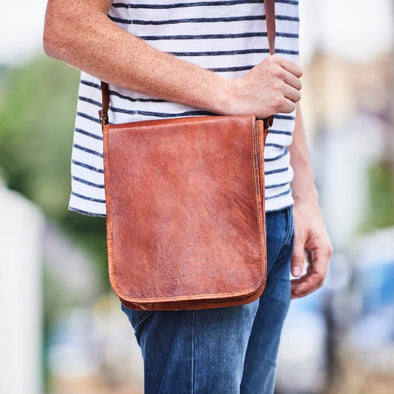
{"x": 298, "y": 256}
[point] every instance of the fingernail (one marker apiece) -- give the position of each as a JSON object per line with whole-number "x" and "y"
{"x": 297, "y": 271}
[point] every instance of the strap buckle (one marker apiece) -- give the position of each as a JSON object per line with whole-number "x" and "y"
{"x": 103, "y": 117}
{"x": 268, "y": 122}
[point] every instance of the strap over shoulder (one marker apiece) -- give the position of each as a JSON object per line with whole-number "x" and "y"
{"x": 269, "y": 6}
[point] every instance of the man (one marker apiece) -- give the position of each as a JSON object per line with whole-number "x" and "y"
{"x": 177, "y": 58}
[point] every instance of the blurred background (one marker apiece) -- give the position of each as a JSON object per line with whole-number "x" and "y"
{"x": 62, "y": 330}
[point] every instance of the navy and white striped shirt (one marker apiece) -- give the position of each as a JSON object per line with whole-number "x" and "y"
{"x": 227, "y": 37}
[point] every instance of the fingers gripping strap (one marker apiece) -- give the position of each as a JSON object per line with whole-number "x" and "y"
{"x": 269, "y": 6}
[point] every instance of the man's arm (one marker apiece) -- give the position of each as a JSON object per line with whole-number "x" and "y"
{"x": 310, "y": 236}
{"x": 81, "y": 34}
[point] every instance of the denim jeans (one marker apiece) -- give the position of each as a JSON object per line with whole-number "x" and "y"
{"x": 223, "y": 350}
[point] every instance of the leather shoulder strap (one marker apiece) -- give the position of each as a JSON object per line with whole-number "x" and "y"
{"x": 269, "y": 6}
{"x": 103, "y": 113}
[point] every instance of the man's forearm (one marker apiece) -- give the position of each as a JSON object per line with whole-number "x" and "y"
{"x": 310, "y": 234}
{"x": 303, "y": 184}
{"x": 88, "y": 40}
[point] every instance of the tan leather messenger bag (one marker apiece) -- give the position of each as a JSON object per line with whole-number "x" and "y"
{"x": 185, "y": 207}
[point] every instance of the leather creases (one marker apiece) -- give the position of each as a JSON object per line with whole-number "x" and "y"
{"x": 185, "y": 211}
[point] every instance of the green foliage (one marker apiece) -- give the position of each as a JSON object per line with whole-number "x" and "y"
{"x": 37, "y": 115}
{"x": 381, "y": 192}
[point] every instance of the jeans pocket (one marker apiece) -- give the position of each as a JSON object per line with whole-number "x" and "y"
{"x": 136, "y": 318}
{"x": 289, "y": 233}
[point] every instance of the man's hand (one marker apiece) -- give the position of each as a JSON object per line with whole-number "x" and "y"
{"x": 270, "y": 87}
{"x": 310, "y": 239}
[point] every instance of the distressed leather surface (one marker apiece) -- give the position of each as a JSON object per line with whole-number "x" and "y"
{"x": 185, "y": 211}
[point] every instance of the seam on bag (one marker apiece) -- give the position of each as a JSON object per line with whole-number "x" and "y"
{"x": 260, "y": 204}
{"x": 108, "y": 201}
{"x": 174, "y": 298}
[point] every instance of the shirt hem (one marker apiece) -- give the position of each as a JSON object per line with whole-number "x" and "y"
{"x": 87, "y": 213}
{"x": 279, "y": 209}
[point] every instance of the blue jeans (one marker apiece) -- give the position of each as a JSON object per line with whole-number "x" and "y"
{"x": 223, "y": 350}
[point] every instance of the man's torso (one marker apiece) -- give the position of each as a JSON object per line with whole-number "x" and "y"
{"x": 227, "y": 37}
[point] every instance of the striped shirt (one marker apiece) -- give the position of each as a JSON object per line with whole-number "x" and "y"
{"x": 227, "y": 37}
